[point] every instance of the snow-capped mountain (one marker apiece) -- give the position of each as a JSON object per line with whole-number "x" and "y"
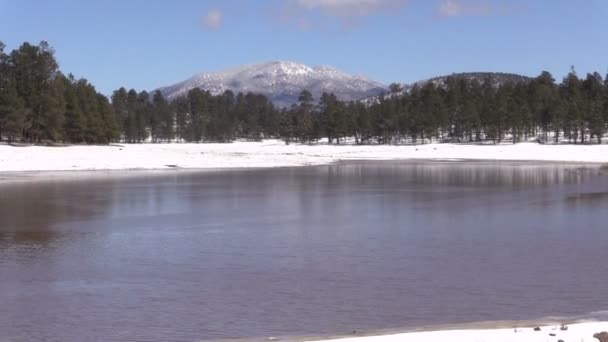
{"x": 281, "y": 82}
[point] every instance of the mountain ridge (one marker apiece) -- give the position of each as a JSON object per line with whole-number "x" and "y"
{"x": 281, "y": 82}
{"x": 496, "y": 78}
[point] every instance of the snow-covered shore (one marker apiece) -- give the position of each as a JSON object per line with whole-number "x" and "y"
{"x": 581, "y": 332}
{"x": 272, "y": 153}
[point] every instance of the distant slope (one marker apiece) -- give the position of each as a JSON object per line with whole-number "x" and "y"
{"x": 281, "y": 82}
{"x": 497, "y": 79}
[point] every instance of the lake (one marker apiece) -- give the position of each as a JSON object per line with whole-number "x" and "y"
{"x": 366, "y": 246}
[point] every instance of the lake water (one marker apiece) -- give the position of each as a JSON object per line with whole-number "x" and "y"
{"x": 188, "y": 256}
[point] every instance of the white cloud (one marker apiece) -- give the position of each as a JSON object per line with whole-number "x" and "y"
{"x": 348, "y": 8}
{"x": 312, "y": 14}
{"x": 459, "y": 8}
{"x": 213, "y": 20}
{"x": 450, "y": 8}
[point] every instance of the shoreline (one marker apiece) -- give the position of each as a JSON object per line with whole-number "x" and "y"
{"x": 28, "y": 176}
{"x": 579, "y": 328}
{"x": 489, "y": 331}
{"x": 273, "y": 154}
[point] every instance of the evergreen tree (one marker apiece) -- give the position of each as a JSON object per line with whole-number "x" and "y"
{"x": 197, "y": 103}
{"x": 130, "y": 125}
{"x": 305, "y": 118}
{"x": 454, "y": 108}
{"x": 594, "y": 105}
{"x": 287, "y": 125}
{"x": 544, "y": 103}
{"x": 52, "y": 109}
{"x": 38, "y": 103}
{"x": 330, "y": 117}
{"x": 181, "y": 110}
{"x": 142, "y": 116}
{"x": 95, "y": 130}
{"x": 36, "y": 74}
{"x": 571, "y": 91}
{"x": 162, "y": 119}
{"x": 75, "y": 124}
{"x": 12, "y": 111}
{"x": 111, "y": 128}
{"x": 395, "y": 88}
{"x": 361, "y": 123}
{"x": 434, "y": 117}
{"x": 120, "y": 105}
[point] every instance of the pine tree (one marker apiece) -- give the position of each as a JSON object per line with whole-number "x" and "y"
{"x": 594, "y": 105}
{"x": 454, "y": 108}
{"x": 142, "y": 116}
{"x": 52, "y": 109}
{"x": 226, "y": 117}
{"x": 434, "y": 111}
{"x": 287, "y": 125}
{"x": 12, "y": 111}
{"x": 181, "y": 110}
{"x": 571, "y": 94}
{"x": 328, "y": 111}
{"x": 75, "y": 124}
{"x": 36, "y": 73}
{"x": 362, "y": 123}
{"x": 95, "y": 131}
{"x": 544, "y": 102}
{"x": 120, "y": 105}
{"x": 395, "y": 88}
{"x": 197, "y": 102}
{"x": 111, "y": 128}
{"x": 161, "y": 119}
{"x": 305, "y": 120}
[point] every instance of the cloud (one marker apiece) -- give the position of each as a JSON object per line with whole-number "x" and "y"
{"x": 451, "y": 8}
{"x": 349, "y": 14}
{"x": 348, "y": 8}
{"x": 459, "y": 8}
{"x": 213, "y": 20}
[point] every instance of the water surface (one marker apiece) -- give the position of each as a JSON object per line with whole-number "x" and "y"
{"x": 187, "y": 256}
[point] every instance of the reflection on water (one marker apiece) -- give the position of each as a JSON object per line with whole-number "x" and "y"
{"x": 589, "y": 197}
{"x": 187, "y": 256}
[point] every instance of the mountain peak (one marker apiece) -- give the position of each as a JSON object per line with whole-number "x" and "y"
{"x": 289, "y": 68}
{"x": 281, "y": 82}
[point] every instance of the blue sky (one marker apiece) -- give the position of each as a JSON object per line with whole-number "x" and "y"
{"x": 146, "y": 44}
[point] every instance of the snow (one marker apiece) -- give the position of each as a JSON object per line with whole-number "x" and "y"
{"x": 272, "y": 153}
{"x": 582, "y": 332}
{"x": 281, "y": 82}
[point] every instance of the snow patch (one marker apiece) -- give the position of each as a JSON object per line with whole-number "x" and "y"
{"x": 272, "y": 153}
{"x": 582, "y": 332}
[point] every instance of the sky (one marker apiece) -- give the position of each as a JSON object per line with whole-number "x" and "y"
{"x": 145, "y": 44}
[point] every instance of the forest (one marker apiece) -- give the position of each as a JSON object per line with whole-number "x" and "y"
{"x": 39, "y": 104}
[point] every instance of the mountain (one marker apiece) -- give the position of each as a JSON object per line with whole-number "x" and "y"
{"x": 281, "y": 82}
{"x": 497, "y": 79}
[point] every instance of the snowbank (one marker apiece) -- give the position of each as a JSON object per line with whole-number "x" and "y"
{"x": 271, "y": 153}
{"x": 582, "y": 332}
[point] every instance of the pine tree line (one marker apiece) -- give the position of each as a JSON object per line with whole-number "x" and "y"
{"x": 197, "y": 117}
{"x": 38, "y": 103}
{"x": 460, "y": 110}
